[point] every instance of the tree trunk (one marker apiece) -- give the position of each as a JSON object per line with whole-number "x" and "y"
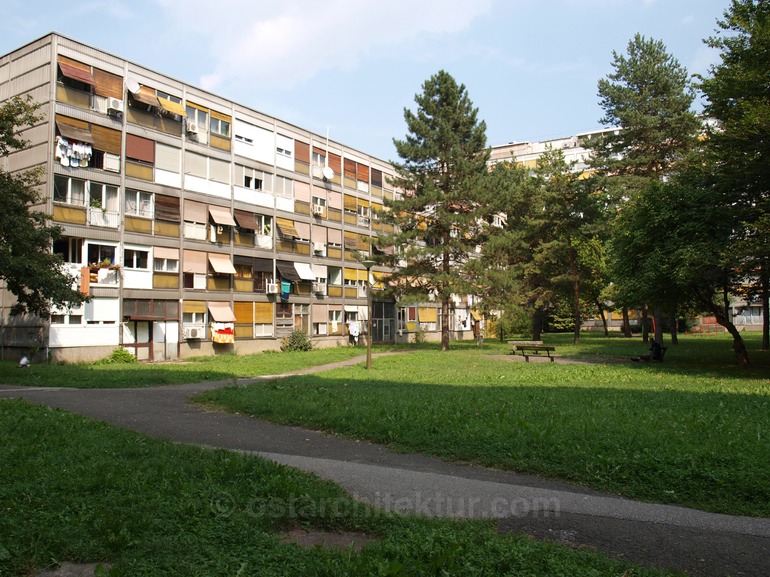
{"x": 626, "y": 324}
{"x": 445, "y": 324}
{"x": 537, "y": 324}
{"x": 603, "y": 317}
{"x": 674, "y": 326}
{"x": 575, "y": 290}
{"x": 765, "y": 280}
{"x": 722, "y": 316}
{"x": 645, "y": 328}
{"x": 657, "y": 320}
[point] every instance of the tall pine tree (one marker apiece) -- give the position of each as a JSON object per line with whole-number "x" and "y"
{"x": 441, "y": 176}
{"x": 648, "y": 98}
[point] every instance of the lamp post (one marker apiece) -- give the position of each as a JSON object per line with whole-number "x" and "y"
{"x": 368, "y": 264}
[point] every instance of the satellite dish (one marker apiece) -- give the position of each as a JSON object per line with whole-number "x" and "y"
{"x": 328, "y": 172}
{"x": 133, "y": 85}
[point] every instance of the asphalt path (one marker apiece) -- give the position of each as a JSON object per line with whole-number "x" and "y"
{"x": 665, "y": 536}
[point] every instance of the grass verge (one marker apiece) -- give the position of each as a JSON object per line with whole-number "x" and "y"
{"x": 694, "y": 430}
{"x": 73, "y": 489}
{"x": 193, "y": 370}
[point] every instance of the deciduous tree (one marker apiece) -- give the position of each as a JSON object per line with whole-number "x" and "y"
{"x": 30, "y": 271}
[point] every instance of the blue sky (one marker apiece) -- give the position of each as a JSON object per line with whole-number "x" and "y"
{"x": 352, "y": 66}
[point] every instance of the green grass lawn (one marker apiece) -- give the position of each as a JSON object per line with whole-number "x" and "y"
{"x": 693, "y": 430}
{"x": 73, "y": 489}
{"x": 212, "y": 368}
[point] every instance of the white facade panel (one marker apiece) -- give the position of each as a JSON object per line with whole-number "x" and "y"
{"x": 167, "y": 178}
{"x": 83, "y": 336}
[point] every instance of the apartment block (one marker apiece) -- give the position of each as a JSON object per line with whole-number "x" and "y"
{"x": 196, "y": 225}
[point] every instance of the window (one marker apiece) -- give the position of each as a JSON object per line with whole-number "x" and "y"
{"x": 194, "y": 318}
{"x": 138, "y": 203}
{"x": 69, "y": 249}
{"x": 99, "y": 253}
{"x": 284, "y": 187}
{"x": 249, "y": 141}
{"x": 165, "y": 265}
{"x": 318, "y": 159}
{"x": 69, "y": 190}
{"x": 137, "y": 259}
{"x": 252, "y": 182}
{"x": 334, "y": 274}
{"x": 197, "y": 116}
{"x": 264, "y": 224}
{"x": 243, "y": 271}
{"x": 196, "y": 281}
{"x": 220, "y": 127}
{"x": 283, "y": 152}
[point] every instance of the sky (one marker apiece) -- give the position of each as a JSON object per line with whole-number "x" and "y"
{"x": 351, "y": 67}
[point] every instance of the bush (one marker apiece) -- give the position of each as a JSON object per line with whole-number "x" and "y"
{"x": 296, "y": 341}
{"x": 119, "y": 355}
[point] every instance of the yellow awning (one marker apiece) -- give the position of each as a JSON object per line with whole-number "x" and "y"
{"x": 171, "y": 106}
{"x": 286, "y": 227}
{"x": 475, "y": 315}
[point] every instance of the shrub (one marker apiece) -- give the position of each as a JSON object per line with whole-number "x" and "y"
{"x": 296, "y": 341}
{"x": 119, "y": 355}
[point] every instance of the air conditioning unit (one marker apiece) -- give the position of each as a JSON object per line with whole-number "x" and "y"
{"x": 318, "y": 210}
{"x": 272, "y": 288}
{"x": 192, "y": 333}
{"x": 319, "y": 288}
{"x": 114, "y": 105}
{"x": 319, "y": 248}
{"x": 192, "y": 128}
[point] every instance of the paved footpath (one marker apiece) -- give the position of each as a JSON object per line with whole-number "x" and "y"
{"x": 702, "y": 544}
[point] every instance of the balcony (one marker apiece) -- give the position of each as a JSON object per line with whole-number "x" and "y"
{"x": 105, "y": 218}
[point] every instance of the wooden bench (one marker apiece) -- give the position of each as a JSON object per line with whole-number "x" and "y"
{"x": 527, "y": 350}
{"x": 514, "y": 344}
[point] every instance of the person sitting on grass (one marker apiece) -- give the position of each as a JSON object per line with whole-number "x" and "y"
{"x": 655, "y": 354}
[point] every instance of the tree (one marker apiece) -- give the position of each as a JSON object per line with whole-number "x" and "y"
{"x": 539, "y": 255}
{"x": 648, "y": 98}
{"x": 30, "y": 271}
{"x": 438, "y": 218}
{"x": 739, "y": 138}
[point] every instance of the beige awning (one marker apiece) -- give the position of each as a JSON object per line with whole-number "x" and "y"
{"x": 304, "y": 270}
{"x": 172, "y": 107}
{"x": 74, "y": 133}
{"x": 221, "y": 263}
{"x": 221, "y": 215}
{"x": 164, "y": 252}
{"x": 221, "y": 312}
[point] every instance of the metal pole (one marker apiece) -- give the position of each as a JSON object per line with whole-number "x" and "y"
{"x": 368, "y": 264}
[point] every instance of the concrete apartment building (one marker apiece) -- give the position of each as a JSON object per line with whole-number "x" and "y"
{"x": 196, "y": 224}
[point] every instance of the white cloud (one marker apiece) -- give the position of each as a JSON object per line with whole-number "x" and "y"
{"x": 287, "y": 43}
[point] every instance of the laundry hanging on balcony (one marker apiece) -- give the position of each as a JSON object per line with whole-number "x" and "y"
{"x": 285, "y": 290}
{"x": 223, "y": 333}
{"x": 72, "y": 153}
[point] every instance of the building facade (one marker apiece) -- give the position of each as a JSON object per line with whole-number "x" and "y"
{"x": 195, "y": 224}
